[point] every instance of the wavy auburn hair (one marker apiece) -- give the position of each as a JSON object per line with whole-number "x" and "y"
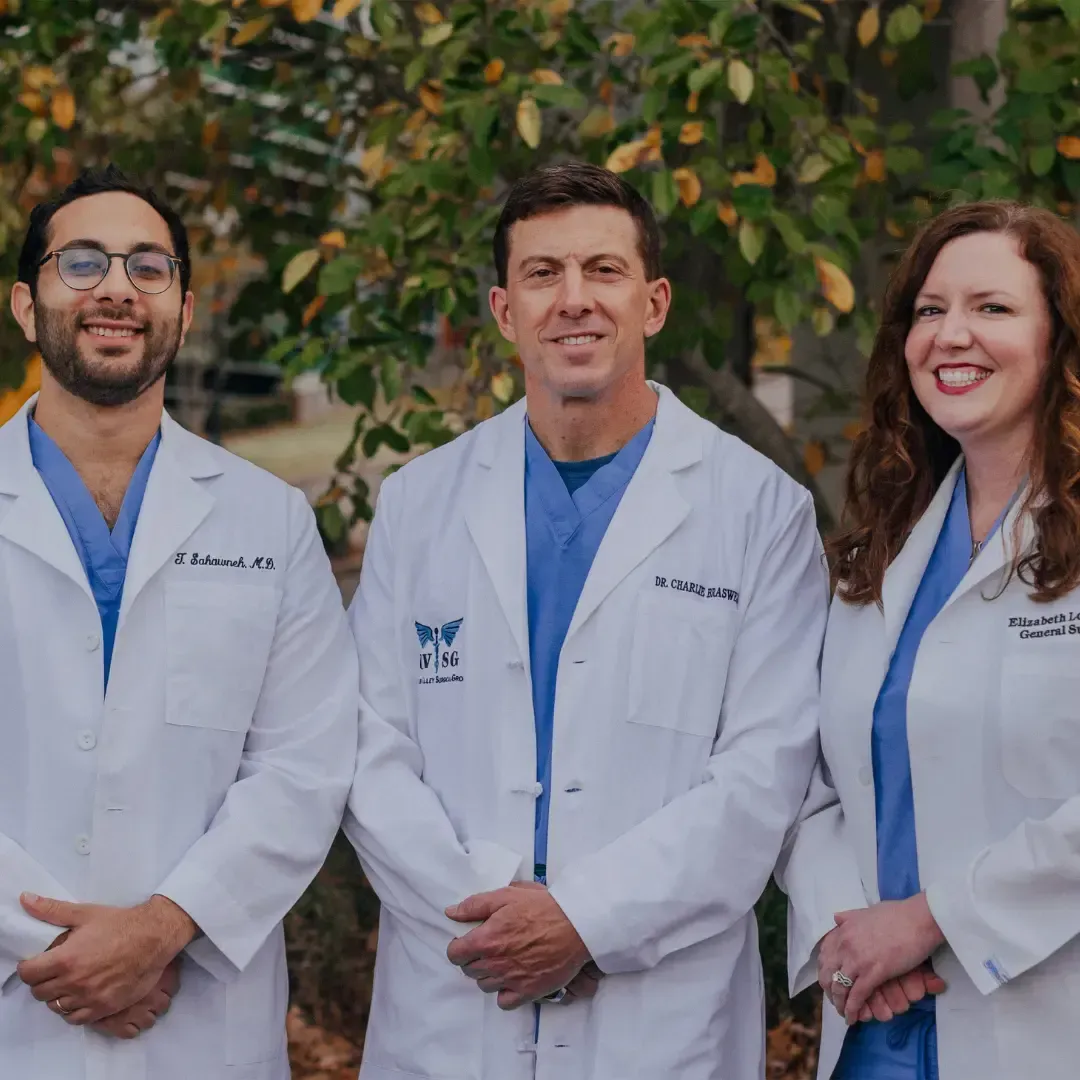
{"x": 901, "y": 457}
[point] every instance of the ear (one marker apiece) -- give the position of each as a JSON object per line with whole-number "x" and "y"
{"x": 658, "y": 307}
{"x": 500, "y": 308}
{"x": 22, "y": 307}
{"x": 186, "y": 314}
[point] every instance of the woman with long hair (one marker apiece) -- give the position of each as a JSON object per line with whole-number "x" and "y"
{"x": 934, "y": 876}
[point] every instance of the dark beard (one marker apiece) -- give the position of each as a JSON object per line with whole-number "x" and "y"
{"x": 57, "y": 340}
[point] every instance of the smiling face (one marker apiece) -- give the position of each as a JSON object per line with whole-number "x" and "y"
{"x": 578, "y": 304}
{"x": 108, "y": 344}
{"x": 979, "y": 342}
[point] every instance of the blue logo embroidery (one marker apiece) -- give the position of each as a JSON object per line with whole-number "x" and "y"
{"x": 446, "y": 634}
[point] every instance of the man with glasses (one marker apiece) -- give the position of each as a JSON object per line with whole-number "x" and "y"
{"x": 178, "y": 681}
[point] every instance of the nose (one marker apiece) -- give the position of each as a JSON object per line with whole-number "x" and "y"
{"x": 953, "y": 331}
{"x": 574, "y": 298}
{"x": 115, "y": 287}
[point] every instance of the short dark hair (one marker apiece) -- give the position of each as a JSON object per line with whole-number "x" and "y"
{"x": 97, "y": 182}
{"x": 575, "y": 183}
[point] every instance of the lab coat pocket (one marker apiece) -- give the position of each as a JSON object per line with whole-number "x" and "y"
{"x": 218, "y": 638}
{"x": 678, "y": 664}
{"x": 1040, "y": 724}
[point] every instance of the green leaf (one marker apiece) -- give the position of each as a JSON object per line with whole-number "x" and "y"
{"x": 982, "y": 69}
{"x": 903, "y": 160}
{"x": 414, "y": 71}
{"x": 436, "y": 35}
{"x": 1043, "y": 80}
{"x": 701, "y": 77}
{"x": 787, "y": 306}
{"x": 1071, "y": 9}
{"x": 665, "y": 192}
{"x": 752, "y": 201}
{"x": 751, "y": 241}
{"x": 904, "y": 25}
{"x": 1042, "y": 159}
{"x": 358, "y": 386}
{"x": 838, "y": 70}
{"x": 829, "y": 213}
{"x": 338, "y": 276}
{"x": 789, "y": 232}
{"x": 563, "y": 97}
{"x": 835, "y": 147}
{"x": 813, "y": 168}
{"x": 390, "y": 378}
{"x": 331, "y": 523}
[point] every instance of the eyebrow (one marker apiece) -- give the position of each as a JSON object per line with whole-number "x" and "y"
{"x": 983, "y": 294}
{"x": 533, "y": 260}
{"x": 145, "y": 245}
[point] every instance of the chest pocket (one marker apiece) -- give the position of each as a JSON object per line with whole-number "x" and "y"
{"x": 1040, "y": 723}
{"x": 678, "y": 663}
{"x": 218, "y": 638}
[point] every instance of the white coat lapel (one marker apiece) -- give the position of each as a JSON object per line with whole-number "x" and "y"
{"x": 174, "y": 506}
{"x": 651, "y": 509}
{"x": 906, "y": 571}
{"x": 494, "y": 508}
{"x": 32, "y": 520}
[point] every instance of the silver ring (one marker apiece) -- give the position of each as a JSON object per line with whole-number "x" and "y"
{"x": 839, "y": 977}
{"x": 60, "y": 1008}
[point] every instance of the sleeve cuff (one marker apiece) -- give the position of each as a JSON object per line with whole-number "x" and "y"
{"x": 494, "y": 865}
{"x": 228, "y": 939}
{"x": 590, "y": 915}
{"x": 985, "y": 970}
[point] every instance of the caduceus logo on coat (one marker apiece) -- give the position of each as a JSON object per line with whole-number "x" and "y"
{"x": 441, "y": 635}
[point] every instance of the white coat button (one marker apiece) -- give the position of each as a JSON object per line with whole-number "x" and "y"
{"x": 82, "y": 845}
{"x": 87, "y": 740}
{"x": 865, "y": 775}
{"x": 93, "y": 642}
{"x": 515, "y": 664}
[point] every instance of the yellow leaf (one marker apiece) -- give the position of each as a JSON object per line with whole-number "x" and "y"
{"x": 431, "y": 97}
{"x": 688, "y": 184}
{"x": 693, "y": 131}
{"x": 32, "y": 100}
{"x": 606, "y": 92}
{"x": 298, "y": 268}
{"x": 836, "y": 286}
{"x": 1068, "y": 146}
{"x": 37, "y": 78}
{"x": 694, "y": 41}
{"x": 740, "y": 81}
{"x": 793, "y": 81}
{"x": 312, "y": 310}
{"x": 546, "y": 77}
{"x": 272, "y": 3}
{"x": 894, "y": 229}
{"x": 372, "y": 161}
{"x": 484, "y": 407}
{"x": 654, "y": 136}
{"x": 869, "y": 26}
{"x": 528, "y": 122}
{"x": 416, "y": 121}
{"x": 306, "y": 10}
{"x": 751, "y": 241}
{"x": 875, "y": 166}
{"x": 62, "y": 107}
{"x": 251, "y": 30}
{"x": 889, "y": 57}
{"x": 344, "y": 8}
{"x": 493, "y": 72}
{"x": 625, "y": 157}
{"x": 429, "y": 14}
{"x": 931, "y": 10}
{"x": 692, "y": 101}
{"x": 559, "y": 9}
{"x": 852, "y": 430}
{"x": 764, "y": 174}
{"x": 727, "y": 214}
{"x": 813, "y": 168}
{"x": 620, "y": 44}
{"x": 436, "y": 35}
{"x": 334, "y": 239}
{"x": 502, "y": 387}
{"x": 599, "y": 122}
{"x": 814, "y": 456}
{"x": 805, "y": 9}
{"x": 821, "y": 319}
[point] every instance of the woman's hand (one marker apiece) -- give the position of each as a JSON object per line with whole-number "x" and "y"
{"x": 895, "y": 996}
{"x": 874, "y": 946}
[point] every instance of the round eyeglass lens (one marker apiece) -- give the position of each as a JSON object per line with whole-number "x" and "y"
{"x": 150, "y": 271}
{"x": 82, "y": 268}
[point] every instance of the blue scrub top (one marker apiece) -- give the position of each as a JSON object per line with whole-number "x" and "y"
{"x": 905, "y": 1048}
{"x": 568, "y": 507}
{"x": 103, "y": 554}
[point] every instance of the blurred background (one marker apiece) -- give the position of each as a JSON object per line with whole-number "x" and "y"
{"x": 341, "y": 164}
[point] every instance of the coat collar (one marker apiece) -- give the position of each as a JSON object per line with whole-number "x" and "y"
{"x": 174, "y": 505}
{"x": 650, "y": 510}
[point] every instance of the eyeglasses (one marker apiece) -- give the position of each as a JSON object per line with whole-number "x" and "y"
{"x": 85, "y": 268}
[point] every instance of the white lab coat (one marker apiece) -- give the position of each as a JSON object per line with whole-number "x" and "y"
{"x": 213, "y": 771}
{"x": 684, "y": 737}
{"x": 994, "y": 734}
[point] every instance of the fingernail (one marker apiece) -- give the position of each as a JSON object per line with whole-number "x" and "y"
{"x": 31, "y": 898}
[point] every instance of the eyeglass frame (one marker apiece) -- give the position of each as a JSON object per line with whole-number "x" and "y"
{"x": 175, "y": 262}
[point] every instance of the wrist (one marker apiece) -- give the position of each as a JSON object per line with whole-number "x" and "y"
{"x": 173, "y": 927}
{"x": 931, "y": 932}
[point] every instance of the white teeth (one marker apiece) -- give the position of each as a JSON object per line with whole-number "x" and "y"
{"x": 102, "y": 331}
{"x": 581, "y": 339}
{"x": 961, "y": 376}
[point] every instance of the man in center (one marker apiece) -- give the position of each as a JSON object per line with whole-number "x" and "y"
{"x": 588, "y": 633}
